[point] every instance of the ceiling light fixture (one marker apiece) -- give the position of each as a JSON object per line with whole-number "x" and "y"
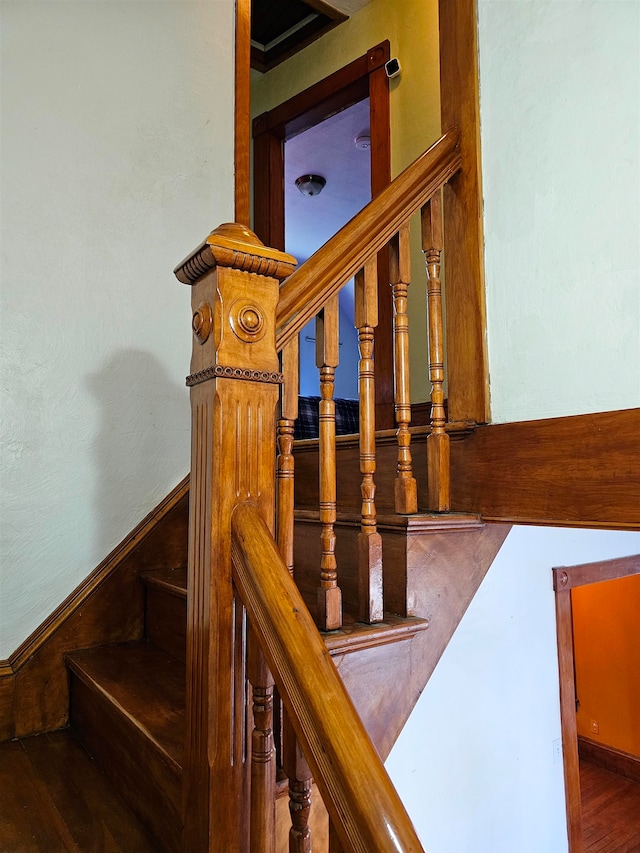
{"x": 311, "y": 184}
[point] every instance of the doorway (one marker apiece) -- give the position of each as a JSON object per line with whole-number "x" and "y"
{"x": 566, "y": 580}
{"x": 361, "y": 86}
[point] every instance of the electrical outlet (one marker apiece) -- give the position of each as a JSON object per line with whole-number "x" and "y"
{"x": 557, "y": 751}
{"x": 595, "y": 727}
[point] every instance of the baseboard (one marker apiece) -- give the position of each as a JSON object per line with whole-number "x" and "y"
{"x": 105, "y": 608}
{"x": 609, "y": 758}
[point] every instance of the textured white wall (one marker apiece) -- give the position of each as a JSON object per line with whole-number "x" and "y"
{"x": 560, "y": 108}
{"x": 117, "y": 158}
{"x": 475, "y": 763}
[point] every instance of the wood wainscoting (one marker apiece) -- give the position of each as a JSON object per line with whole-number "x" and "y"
{"x": 106, "y": 608}
{"x": 579, "y": 471}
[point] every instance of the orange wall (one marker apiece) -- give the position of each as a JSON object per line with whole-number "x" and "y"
{"x": 606, "y": 625}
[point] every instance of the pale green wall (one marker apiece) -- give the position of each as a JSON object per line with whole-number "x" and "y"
{"x": 560, "y": 110}
{"x": 116, "y": 162}
{"x": 411, "y": 26}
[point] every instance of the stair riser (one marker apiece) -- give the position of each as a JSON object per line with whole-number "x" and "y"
{"x": 166, "y": 622}
{"x": 145, "y": 780}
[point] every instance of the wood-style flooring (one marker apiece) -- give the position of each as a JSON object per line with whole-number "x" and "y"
{"x": 54, "y": 798}
{"x": 610, "y": 811}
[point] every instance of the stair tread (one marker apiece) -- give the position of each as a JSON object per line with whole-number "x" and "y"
{"x": 355, "y": 636}
{"x": 144, "y": 684}
{"x": 173, "y": 581}
{"x": 419, "y": 522}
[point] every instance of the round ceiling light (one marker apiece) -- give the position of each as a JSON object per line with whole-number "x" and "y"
{"x": 311, "y": 184}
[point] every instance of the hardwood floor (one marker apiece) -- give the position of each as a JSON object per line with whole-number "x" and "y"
{"x": 53, "y": 798}
{"x": 610, "y": 811}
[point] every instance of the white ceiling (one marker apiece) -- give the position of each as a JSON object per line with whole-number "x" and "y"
{"x": 328, "y": 149}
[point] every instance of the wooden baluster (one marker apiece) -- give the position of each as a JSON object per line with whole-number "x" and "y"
{"x": 406, "y": 496}
{"x": 285, "y": 466}
{"x": 327, "y": 347}
{"x": 295, "y": 766}
{"x": 263, "y": 765}
{"x": 438, "y": 470}
{"x": 369, "y": 540}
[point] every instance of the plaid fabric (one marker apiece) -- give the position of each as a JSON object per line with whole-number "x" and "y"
{"x": 347, "y": 417}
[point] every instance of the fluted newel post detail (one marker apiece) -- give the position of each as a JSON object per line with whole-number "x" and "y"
{"x": 438, "y": 469}
{"x": 234, "y": 381}
{"x": 327, "y": 356}
{"x": 297, "y": 770}
{"x": 369, "y": 540}
{"x": 285, "y": 465}
{"x": 263, "y": 765}
{"x": 406, "y": 495}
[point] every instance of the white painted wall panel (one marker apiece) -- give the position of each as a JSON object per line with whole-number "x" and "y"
{"x": 475, "y": 763}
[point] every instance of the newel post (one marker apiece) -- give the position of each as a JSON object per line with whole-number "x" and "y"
{"x": 234, "y": 385}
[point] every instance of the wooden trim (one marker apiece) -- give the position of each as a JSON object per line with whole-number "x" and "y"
{"x": 242, "y": 110}
{"x": 569, "y": 577}
{"x": 468, "y": 373}
{"x": 565, "y": 578}
{"x": 336, "y": 92}
{"x": 7, "y": 700}
{"x": 612, "y": 759}
{"x": 80, "y": 595}
{"x": 568, "y": 724}
{"x": 574, "y": 471}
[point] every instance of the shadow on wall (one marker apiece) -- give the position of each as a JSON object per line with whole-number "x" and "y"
{"x": 141, "y": 449}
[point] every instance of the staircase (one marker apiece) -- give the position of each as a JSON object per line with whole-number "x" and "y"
{"x": 127, "y": 701}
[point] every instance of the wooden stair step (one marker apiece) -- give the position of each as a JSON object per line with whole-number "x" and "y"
{"x": 54, "y": 797}
{"x": 127, "y": 708}
{"x": 166, "y": 610}
{"x": 357, "y": 636}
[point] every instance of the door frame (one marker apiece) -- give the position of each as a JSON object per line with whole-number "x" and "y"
{"x": 566, "y": 578}
{"x": 364, "y": 77}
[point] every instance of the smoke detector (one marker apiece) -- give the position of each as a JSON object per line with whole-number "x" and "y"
{"x": 363, "y": 142}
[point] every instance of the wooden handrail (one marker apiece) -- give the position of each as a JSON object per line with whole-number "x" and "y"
{"x": 360, "y": 798}
{"x": 305, "y": 291}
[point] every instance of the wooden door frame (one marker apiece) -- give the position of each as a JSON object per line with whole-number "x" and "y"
{"x": 566, "y": 578}
{"x": 364, "y": 77}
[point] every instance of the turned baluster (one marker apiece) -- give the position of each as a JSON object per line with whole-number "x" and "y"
{"x": 285, "y": 465}
{"x": 327, "y": 346}
{"x": 406, "y": 497}
{"x": 296, "y": 768}
{"x": 369, "y": 540}
{"x": 438, "y": 440}
{"x": 263, "y": 765}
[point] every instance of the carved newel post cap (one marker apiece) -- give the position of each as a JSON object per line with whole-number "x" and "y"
{"x": 234, "y": 246}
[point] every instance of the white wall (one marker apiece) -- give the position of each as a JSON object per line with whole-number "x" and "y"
{"x": 560, "y": 109}
{"x": 117, "y": 158}
{"x": 475, "y": 763}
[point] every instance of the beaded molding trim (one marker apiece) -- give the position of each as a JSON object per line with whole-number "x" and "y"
{"x": 235, "y": 373}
